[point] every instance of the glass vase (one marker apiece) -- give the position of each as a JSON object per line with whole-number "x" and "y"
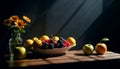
{"x": 14, "y": 41}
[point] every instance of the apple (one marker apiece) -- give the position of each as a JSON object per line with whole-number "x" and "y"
{"x": 44, "y": 37}
{"x": 29, "y": 42}
{"x": 72, "y": 41}
{"x": 88, "y": 49}
{"x": 20, "y": 52}
{"x": 100, "y": 48}
{"x": 35, "y": 38}
{"x": 37, "y": 43}
{"x": 55, "y": 38}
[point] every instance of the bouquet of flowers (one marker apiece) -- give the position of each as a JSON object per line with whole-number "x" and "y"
{"x": 17, "y": 25}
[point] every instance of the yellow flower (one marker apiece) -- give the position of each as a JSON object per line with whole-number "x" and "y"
{"x": 26, "y": 19}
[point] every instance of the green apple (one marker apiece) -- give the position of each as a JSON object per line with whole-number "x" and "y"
{"x": 20, "y": 52}
{"x": 88, "y": 49}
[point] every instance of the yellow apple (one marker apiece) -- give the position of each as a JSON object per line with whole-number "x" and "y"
{"x": 72, "y": 41}
{"x": 44, "y": 37}
{"x": 35, "y": 38}
{"x": 29, "y": 42}
{"x": 55, "y": 38}
{"x": 20, "y": 52}
{"x": 37, "y": 42}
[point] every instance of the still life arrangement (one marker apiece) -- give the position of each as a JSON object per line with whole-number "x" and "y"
{"x": 16, "y": 25}
{"x": 44, "y": 44}
{"x": 54, "y": 45}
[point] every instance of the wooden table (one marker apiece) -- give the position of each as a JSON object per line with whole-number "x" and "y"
{"x": 73, "y": 57}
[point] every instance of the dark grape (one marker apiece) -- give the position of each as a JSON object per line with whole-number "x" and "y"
{"x": 59, "y": 41}
{"x": 57, "y": 45}
{"x": 61, "y": 45}
{"x": 45, "y": 45}
{"x": 51, "y": 41}
{"x": 51, "y": 46}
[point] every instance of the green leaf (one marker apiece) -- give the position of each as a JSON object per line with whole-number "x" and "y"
{"x": 22, "y": 30}
{"x": 15, "y": 31}
{"x": 105, "y": 39}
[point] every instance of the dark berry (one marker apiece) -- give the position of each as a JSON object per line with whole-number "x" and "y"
{"x": 51, "y": 46}
{"x": 61, "y": 45}
{"x": 45, "y": 45}
{"x": 59, "y": 41}
{"x": 51, "y": 41}
{"x": 57, "y": 45}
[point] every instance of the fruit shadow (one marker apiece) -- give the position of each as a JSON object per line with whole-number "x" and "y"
{"x": 37, "y": 55}
{"x": 82, "y": 54}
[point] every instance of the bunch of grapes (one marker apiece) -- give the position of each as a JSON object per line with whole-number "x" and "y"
{"x": 50, "y": 43}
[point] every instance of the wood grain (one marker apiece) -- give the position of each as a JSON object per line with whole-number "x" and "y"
{"x": 72, "y": 56}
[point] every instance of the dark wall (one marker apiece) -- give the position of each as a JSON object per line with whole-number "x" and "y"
{"x": 86, "y": 20}
{"x": 107, "y": 25}
{"x": 112, "y": 25}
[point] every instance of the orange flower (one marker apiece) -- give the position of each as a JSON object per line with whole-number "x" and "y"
{"x": 14, "y": 18}
{"x": 7, "y": 22}
{"x": 20, "y": 24}
{"x": 26, "y": 19}
{"x": 16, "y": 24}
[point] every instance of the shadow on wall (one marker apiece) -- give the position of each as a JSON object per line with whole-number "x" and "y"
{"x": 73, "y": 18}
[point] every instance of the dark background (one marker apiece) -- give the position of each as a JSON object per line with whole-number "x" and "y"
{"x": 86, "y": 20}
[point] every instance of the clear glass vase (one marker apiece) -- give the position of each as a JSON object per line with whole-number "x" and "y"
{"x": 14, "y": 41}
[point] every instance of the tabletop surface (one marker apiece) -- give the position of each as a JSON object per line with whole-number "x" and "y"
{"x": 71, "y": 56}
